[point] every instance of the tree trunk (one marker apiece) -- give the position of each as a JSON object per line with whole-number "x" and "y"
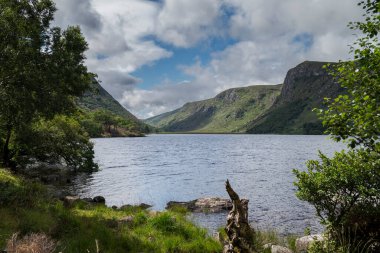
{"x": 239, "y": 232}
{"x": 6, "y": 151}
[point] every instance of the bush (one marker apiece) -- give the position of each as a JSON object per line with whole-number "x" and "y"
{"x": 61, "y": 141}
{"x": 345, "y": 190}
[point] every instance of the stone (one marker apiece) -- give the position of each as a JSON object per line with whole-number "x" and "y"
{"x": 303, "y": 243}
{"x": 99, "y": 200}
{"x": 153, "y": 213}
{"x": 88, "y": 200}
{"x": 280, "y": 249}
{"x": 127, "y": 220}
{"x": 69, "y": 201}
{"x": 205, "y": 205}
{"x": 143, "y": 206}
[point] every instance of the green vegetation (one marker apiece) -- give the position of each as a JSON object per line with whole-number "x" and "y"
{"x": 103, "y": 123}
{"x": 42, "y": 71}
{"x": 281, "y": 109}
{"x": 228, "y": 112}
{"x": 345, "y": 189}
{"x": 305, "y": 88}
{"x": 99, "y": 108}
{"x": 26, "y": 208}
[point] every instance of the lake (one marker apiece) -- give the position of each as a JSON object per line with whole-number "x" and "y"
{"x": 182, "y": 167}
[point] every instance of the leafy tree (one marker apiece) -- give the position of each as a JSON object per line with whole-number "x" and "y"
{"x": 41, "y": 70}
{"x": 59, "y": 140}
{"x": 345, "y": 189}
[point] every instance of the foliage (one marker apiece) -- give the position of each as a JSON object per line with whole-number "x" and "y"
{"x": 42, "y": 67}
{"x": 78, "y": 228}
{"x": 345, "y": 189}
{"x": 355, "y": 116}
{"x": 100, "y": 123}
{"x": 39, "y": 141}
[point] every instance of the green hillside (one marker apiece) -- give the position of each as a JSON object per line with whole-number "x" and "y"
{"x": 305, "y": 88}
{"x": 228, "y": 112}
{"x": 104, "y": 116}
{"x": 280, "y": 109}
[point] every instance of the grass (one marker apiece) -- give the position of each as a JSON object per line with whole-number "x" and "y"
{"x": 25, "y": 208}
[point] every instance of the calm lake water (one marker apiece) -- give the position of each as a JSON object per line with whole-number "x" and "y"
{"x": 161, "y": 168}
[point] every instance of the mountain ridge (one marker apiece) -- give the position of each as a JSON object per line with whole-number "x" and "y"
{"x": 288, "y": 111}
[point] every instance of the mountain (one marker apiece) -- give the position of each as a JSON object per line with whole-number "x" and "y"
{"x": 304, "y": 88}
{"x": 280, "y": 109}
{"x": 228, "y": 112}
{"x": 100, "y": 107}
{"x": 98, "y": 98}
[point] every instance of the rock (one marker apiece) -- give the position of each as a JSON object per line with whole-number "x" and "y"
{"x": 69, "y": 201}
{"x": 212, "y": 205}
{"x": 276, "y": 248}
{"x": 88, "y": 200}
{"x": 99, "y": 200}
{"x": 142, "y": 206}
{"x": 127, "y": 220}
{"x": 153, "y": 213}
{"x": 279, "y": 249}
{"x": 303, "y": 243}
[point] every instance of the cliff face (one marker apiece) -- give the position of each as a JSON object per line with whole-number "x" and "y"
{"x": 305, "y": 88}
{"x": 308, "y": 79}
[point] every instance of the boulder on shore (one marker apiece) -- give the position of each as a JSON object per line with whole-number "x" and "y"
{"x": 303, "y": 243}
{"x": 206, "y": 205}
{"x": 70, "y": 201}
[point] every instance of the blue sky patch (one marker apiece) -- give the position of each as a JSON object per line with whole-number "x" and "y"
{"x": 305, "y": 39}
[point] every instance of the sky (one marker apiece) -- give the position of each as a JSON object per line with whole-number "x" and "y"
{"x": 153, "y": 56}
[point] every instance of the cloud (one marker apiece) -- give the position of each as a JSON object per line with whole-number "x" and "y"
{"x": 184, "y": 23}
{"x": 269, "y": 37}
{"x": 78, "y": 12}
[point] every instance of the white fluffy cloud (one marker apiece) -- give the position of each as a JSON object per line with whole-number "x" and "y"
{"x": 271, "y": 37}
{"x": 183, "y": 23}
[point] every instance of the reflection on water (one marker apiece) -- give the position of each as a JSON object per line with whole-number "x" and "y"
{"x": 161, "y": 168}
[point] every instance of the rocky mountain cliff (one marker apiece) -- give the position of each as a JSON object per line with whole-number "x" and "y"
{"x": 304, "y": 88}
{"x": 282, "y": 109}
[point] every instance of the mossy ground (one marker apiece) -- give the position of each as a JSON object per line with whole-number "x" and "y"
{"x": 25, "y": 207}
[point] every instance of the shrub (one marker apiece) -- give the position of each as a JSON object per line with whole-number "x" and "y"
{"x": 345, "y": 190}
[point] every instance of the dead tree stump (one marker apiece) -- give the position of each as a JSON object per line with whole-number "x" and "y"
{"x": 239, "y": 232}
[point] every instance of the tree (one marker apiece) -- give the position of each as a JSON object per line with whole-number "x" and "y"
{"x": 59, "y": 140}
{"x": 41, "y": 70}
{"x": 345, "y": 189}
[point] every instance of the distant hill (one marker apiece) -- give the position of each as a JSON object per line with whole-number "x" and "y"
{"x": 304, "y": 88}
{"x": 281, "y": 109}
{"x": 98, "y": 101}
{"x": 228, "y": 112}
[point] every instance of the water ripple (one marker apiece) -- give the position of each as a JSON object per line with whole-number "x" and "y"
{"x": 161, "y": 168}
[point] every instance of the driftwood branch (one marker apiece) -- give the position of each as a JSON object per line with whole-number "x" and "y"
{"x": 239, "y": 232}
